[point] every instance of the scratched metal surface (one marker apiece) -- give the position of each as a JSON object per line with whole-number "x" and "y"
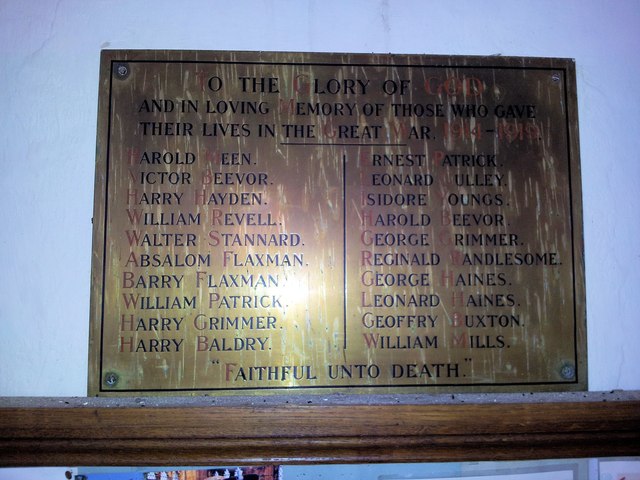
{"x": 317, "y": 300}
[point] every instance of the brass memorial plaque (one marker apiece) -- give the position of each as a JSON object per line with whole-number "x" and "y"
{"x": 279, "y": 222}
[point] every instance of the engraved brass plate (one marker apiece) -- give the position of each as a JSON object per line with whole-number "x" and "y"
{"x": 277, "y": 222}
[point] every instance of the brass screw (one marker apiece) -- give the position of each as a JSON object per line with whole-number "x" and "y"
{"x": 568, "y": 371}
{"x": 111, "y": 379}
{"x": 121, "y": 70}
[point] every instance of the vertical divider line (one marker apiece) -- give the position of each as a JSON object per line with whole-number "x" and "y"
{"x": 344, "y": 248}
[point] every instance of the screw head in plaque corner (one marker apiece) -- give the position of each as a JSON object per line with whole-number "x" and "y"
{"x": 568, "y": 371}
{"x": 111, "y": 379}
{"x": 555, "y": 77}
{"x": 121, "y": 70}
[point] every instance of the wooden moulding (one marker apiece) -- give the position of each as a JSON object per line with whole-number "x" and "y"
{"x": 305, "y": 430}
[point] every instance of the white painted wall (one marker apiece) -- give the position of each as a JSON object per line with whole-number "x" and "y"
{"x": 48, "y": 97}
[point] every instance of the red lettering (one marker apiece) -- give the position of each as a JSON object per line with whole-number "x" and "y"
{"x": 133, "y": 153}
{"x": 446, "y": 278}
{"x": 460, "y": 340}
{"x": 444, "y": 237}
{"x": 126, "y": 324}
{"x": 457, "y": 296}
{"x": 203, "y": 344}
{"x": 127, "y": 280}
{"x": 134, "y": 216}
{"x": 229, "y": 370}
{"x": 216, "y": 216}
{"x": 301, "y": 83}
{"x": 456, "y": 257}
{"x": 124, "y": 342}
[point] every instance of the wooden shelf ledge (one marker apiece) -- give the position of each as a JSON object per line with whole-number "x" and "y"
{"x": 316, "y": 429}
